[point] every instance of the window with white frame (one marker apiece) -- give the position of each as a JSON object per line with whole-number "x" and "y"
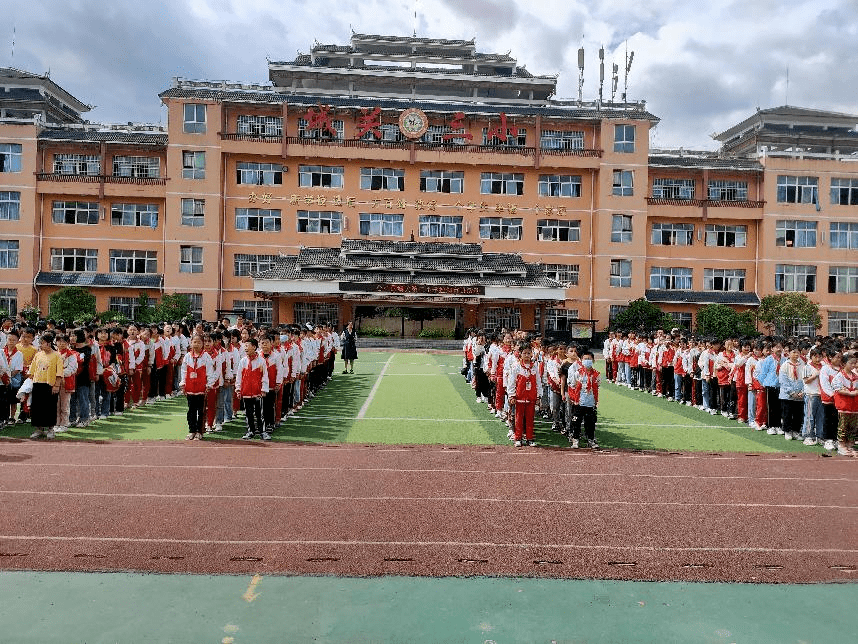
{"x": 670, "y": 278}
{"x": 9, "y": 301}
{"x": 377, "y": 224}
{"x": 561, "y": 140}
{"x": 134, "y": 261}
{"x": 382, "y": 179}
{"x": 797, "y": 279}
{"x": 143, "y": 167}
{"x": 558, "y": 230}
{"x": 75, "y": 212}
{"x": 672, "y": 234}
{"x": 839, "y": 322}
{"x": 190, "y": 259}
{"x": 76, "y": 260}
{"x": 514, "y": 137}
{"x": 621, "y": 229}
{"x": 500, "y": 227}
{"x": 559, "y": 185}
{"x": 10, "y": 157}
{"x": 258, "y": 219}
{"x": 843, "y": 279}
{"x": 320, "y": 221}
{"x": 501, "y": 183}
{"x": 245, "y": 265}
{"x": 615, "y": 310}
{"x": 728, "y": 190}
{"x": 134, "y": 214}
{"x": 193, "y": 164}
{"x": 726, "y": 236}
{"x": 77, "y": 164}
{"x": 795, "y": 234}
{"x": 560, "y": 319}
{"x": 624, "y": 138}
{"x": 389, "y": 132}
{"x": 566, "y": 274}
{"x": 671, "y": 188}
{"x": 196, "y": 303}
{"x": 193, "y": 212}
{"x": 255, "y": 125}
{"x": 441, "y": 226}
{"x": 448, "y": 181}
{"x": 435, "y": 134}
{"x": 10, "y": 206}
{"x": 304, "y": 132}
{"x": 259, "y": 311}
{"x": 681, "y": 320}
{"x": 505, "y": 317}
{"x": 621, "y": 273}
{"x": 623, "y": 183}
{"x": 843, "y": 235}
{"x": 127, "y": 306}
{"x": 316, "y": 312}
{"x": 195, "y": 118}
{"x": 259, "y": 174}
{"x": 724, "y": 279}
{"x": 844, "y": 192}
{"x": 797, "y": 189}
{"x": 320, "y": 176}
{"x": 9, "y": 253}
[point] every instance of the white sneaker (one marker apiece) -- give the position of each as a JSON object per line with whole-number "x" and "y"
{"x": 518, "y": 443}
{"x": 60, "y": 429}
{"x": 779, "y": 431}
{"x": 510, "y": 435}
{"x": 829, "y": 445}
{"x": 787, "y": 436}
{"x": 49, "y": 434}
{"x": 810, "y": 441}
{"x": 771, "y": 431}
{"x": 753, "y": 425}
{"x": 574, "y": 443}
{"x": 102, "y": 418}
{"x": 688, "y": 403}
{"x": 218, "y": 427}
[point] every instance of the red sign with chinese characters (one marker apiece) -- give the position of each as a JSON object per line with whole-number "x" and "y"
{"x": 430, "y": 289}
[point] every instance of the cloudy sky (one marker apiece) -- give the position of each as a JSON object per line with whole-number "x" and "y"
{"x": 701, "y": 66}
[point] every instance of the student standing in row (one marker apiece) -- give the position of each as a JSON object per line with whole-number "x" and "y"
{"x": 46, "y": 372}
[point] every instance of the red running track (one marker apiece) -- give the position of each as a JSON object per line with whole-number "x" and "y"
{"x": 363, "y": 510}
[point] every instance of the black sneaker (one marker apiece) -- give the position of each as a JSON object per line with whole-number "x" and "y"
{"x": 247, "y": 436}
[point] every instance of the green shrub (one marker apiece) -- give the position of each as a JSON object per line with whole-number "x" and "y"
{"x": 375, "y": 332}
{"x": 435, "y": 334}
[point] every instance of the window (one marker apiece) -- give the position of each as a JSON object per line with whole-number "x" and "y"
{"x": 843, "y": 279}
{"x": 244, "y": 265}
{"x": 196, "y": 302}
{"x": 319, "y": 221}
{"x": 10, "y": 157}
{"x": 127, "y": 306}
{"x": 614, "y": 310}
{"x": 195, "y": 118}
{"x": 74, "y": 259}
{"x": 843, "y": 235}
{"x": 726, "y": 236}
{"x": 436, "y": 133}
{"x": 193, "y": 212}
{"x": 193, "y": 164}
{"x": 75, "y": 212}
{"x": 9, "y": 301}
{"x": 621, "y": 273}
{"x": 77, "y": 164}
{"x": 624, "y": 138}
{"x": 260, "y": 125}
{"x": 382, "y": 179}
{"x": 314, "y": 312}
{"x": 259, "y": 174}
{"x": 566, "y": 274}
{"x": 512, "y": 139}
{"x": 257, "y": 219}
{"x": 797, "y": 189}
{"x": 381, "y": 224}
{"x": 559, "y": 319}
{"x": 723, "y": 279}
{"x": 134, "y": 214}
{"x": 561, "y": 140}
{"x": 320, "y": 133}
{"x": 671, "y": 279}
{"x": 260, "y": 311}
{"x": 10, "y": 206}
{"x": 147, "y": 167}
{"x": 728, "y": 190}
{"x": 795, "y": 234}
{"x": 133, "y": 261}
{"x": 801, "y": 279}
{"x": 621, "y": 229}
{"x": 681, "y": 320}
{"x": 500, "y": 183}
{"x": 389, "y": 132}
{"x": 624, "y": 183}
{"x": 442, "y": 181}
{"x": 440, "y": 226}
{"x": 502, "y": 317}
{"x": 844, "y": 192}
{"x": 9, "y": 253}
{"x": 311, "y": 176}
{"x": 668, "y": 188}
{"x": 838, "y": 321}
{"x": 558, "y": 230}
{"x": 672, "y": 234}
{"x": 190, "y": 259}
{"x": 559, "y": 185}
{"x": 500, "y": 228}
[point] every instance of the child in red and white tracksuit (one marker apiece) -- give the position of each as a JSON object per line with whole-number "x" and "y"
{"x": 197, "y": 377}
{"x": 251, "y": 385}
{"x": 522, "y": 389}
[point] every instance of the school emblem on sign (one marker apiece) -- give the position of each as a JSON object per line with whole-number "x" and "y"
{"x": 413, "y": 123}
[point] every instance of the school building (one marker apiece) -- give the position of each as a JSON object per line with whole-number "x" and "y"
{"x": 405, "y": 171}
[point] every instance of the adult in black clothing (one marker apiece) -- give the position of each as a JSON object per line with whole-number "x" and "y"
{"x": 349, "y": 343}
{"x": 79, "y": 410}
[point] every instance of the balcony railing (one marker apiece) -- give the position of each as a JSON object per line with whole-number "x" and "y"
{"x": 252, "y": 138}
{"x": 101, "y": 178}
{"x": 700, "y": 203}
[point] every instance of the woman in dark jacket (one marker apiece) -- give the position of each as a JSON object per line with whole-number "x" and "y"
{"x": 349, "y": 342}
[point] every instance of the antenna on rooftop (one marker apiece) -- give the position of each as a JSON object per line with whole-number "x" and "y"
{"x": 615, "y": 78}
{"x": 13, "y": 45}
{"x": 581, "y": 74}
{"x": 601, "y": 71}
{"x": 629, "y": 58}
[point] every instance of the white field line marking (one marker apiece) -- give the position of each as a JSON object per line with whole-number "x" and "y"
{"x": 429, "y": 499}
{"x": 445, "y": 544}
{"x": 375, "y": 387}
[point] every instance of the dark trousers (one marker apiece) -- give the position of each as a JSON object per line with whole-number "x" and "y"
{"x": 726, "y": 398}
{"x": 288, "y": 392}
{"x": 196, "y": 413}
{"x": 253, "y": 415}
{"x": 773, "y": 405}
{"x": 667, "y": 382}
{"x": 831, "y": 419}
{"x": 792, "y": 412}
{"x": 161, "y": 378}
{"x": 5, "y": 405}
{"x": 268, "y": 404}
{"x": 483, "y": 388}
{"x": 585, "y": 416}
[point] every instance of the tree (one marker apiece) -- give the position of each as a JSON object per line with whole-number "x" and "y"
{"x": 172, "y": 308}
{"x": 71, "y": 303}
{"x": 145, "y": 310}
{"x": 783, "y": 312}
{"x": 642, "y": 315}
{"x": 722, "y": 321}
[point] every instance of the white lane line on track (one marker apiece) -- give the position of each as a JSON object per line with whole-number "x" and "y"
{"x": 375, "y": 387}
{"x": 429, "y": 499}
{"x": 446, "y": 544}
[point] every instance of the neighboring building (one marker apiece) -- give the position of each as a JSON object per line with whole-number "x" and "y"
{"x": 354, "y": 149}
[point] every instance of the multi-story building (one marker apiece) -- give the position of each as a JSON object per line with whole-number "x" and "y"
{"x": 369, "y": 147}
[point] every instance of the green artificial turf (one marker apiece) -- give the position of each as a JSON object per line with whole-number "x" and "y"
{"x": 422, "y": 399}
